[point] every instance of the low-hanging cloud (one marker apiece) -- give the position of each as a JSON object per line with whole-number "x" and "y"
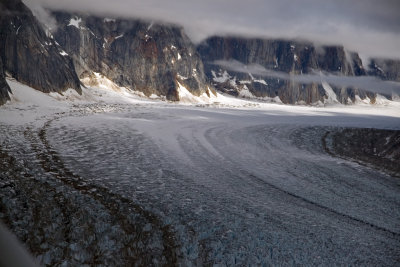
{"x": 367, "y": 83}
{"x": 370, "y": 27}
{"x": 42, "y": 14}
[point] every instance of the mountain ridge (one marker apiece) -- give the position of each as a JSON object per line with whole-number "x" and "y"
{"x": 158, "y": 59}
{"x": 146, "y": 57}
{"x": 292, "y": 57}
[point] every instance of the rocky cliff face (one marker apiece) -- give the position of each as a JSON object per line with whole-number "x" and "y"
{"x": 4, "y": 88}
{"x": 385, "y": 68}
{"x": 146, "y": 57}
{"x": 157, "y": 59}
{"x": 283, "y": 56}
{"x": 29, "y": 55}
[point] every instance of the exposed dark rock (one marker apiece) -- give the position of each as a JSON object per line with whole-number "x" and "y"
{"x": 29, "y": 55}
{"x": 154, "y": 58}
{"x": 146, "y": 57}
{"x": 291, "y": 57}
{"x": 4, "y": 88}
{"x": 375, "y": 147}
{"x": 385, "y": 68}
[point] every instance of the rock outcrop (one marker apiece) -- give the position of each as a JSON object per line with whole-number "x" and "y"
{"x": 374, "y": 147}
{"x": 29, "y": 55}
{"x": 4, "y": 88}
{"x": 291, "y": 57}
{"x": 146, "y": 57}
{"x": 386, "y": 69}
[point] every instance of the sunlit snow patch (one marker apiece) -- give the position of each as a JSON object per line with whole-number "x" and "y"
{"x": 102, "y": 88}
{"x": 186, "y": 97}
{"x": 75, "y": 21}
{"x": 260, "y": 81}
{"x": 381, "y": 100}
{"x": 245, "y": 93}
{"x": 70, "y": 94}
{"x": 222, "y": 78}
{"x": 63, "y": 53}
{"x": 360, "y": 101}
{"x": 331, "y": 96}
{"x": 100, "y": 81}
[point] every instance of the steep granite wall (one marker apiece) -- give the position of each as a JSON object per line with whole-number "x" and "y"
{"x": 29, "y": 55}
{"x": 146, "y": 57}
{"x": 387, "y": 69}
{"x": 289, "y": 57}
{"x": 4, "y": 88}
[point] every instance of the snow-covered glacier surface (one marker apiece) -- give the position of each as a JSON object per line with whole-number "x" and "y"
{"x": 251, "y": 185}
{"x": 241, "y": 186}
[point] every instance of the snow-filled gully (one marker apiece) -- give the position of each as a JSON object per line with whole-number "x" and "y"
{"x": 200, "y": 186}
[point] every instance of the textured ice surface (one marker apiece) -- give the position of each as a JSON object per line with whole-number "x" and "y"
{"x": 241, "y": 186}
{"x": 238, "y": 182}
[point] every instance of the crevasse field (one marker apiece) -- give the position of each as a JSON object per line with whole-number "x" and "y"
{"x": 229, "y": 181}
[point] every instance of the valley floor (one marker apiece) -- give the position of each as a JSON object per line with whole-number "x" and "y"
{"x": 234, "y": 182}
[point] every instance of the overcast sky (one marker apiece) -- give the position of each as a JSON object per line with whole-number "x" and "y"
{"x": 371, "y": 27}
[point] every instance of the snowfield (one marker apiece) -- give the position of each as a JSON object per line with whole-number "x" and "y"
{"x": 230, "y": 182}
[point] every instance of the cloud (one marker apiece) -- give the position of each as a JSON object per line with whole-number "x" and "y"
{"x": 42, "y": 14}
{"x": 371, "y": 27}
{"x": 368, "y": 83}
